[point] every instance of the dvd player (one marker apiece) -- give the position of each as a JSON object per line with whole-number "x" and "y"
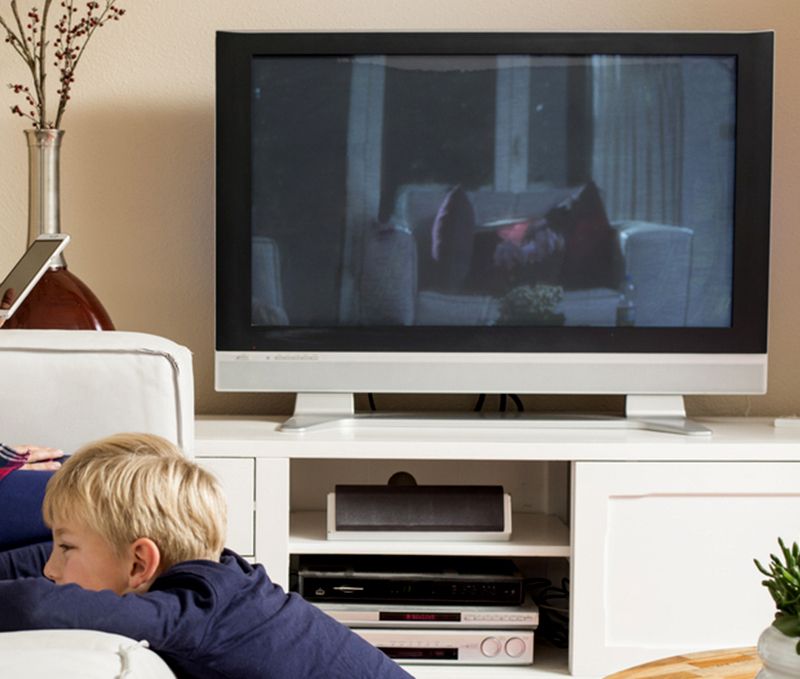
{"x": 407, "y": 580}
{"x": 525, "y": 616}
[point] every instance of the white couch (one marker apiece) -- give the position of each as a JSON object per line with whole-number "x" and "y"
{"x": 63, "y": 389}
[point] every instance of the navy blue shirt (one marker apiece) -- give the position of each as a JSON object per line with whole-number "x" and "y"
{"x": 205, "y": 619}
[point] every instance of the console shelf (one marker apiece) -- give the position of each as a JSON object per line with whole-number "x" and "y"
{"x": 534, "y": 535}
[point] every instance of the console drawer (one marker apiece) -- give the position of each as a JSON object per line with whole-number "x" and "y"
{"x": 237, "y": 476}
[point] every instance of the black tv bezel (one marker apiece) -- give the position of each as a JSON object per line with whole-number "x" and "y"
{"x": 752, "y": 203}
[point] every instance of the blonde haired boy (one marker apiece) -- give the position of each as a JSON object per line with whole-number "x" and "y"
{"x": 138, "y": 535}
{"x": 137, "y": 504}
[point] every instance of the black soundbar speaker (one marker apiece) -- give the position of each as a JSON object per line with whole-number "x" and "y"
{"x": 420, "y": 508}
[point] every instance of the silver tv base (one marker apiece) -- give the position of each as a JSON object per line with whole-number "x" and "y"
{"x": 666, "y": 414}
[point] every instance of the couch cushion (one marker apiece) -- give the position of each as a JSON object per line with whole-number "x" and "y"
{"x": 592, "y": 257}
{"x": 491, "y": 206}
{"x": 436, "y": 308}
{"x": 452, "y": 241}
{"x": 539, "y": 201}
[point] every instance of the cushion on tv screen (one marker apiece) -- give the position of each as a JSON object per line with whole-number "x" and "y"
{"x": 452, "y": 240}
{"x": 591, "y": 255}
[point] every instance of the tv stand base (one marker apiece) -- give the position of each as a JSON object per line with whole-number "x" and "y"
{"x": 314, "y": 411}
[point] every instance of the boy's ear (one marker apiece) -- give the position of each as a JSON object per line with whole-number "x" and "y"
{"x": 145, "y": 559}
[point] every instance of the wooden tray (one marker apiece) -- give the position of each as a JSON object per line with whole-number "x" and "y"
{"x": 736, "y": 663}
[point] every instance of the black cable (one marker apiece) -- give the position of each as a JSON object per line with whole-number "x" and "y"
{"x": 553, "y": 603}
{"x": 479, "y": 403}
{"x": 503, "y": 403}
{"x": 517, "y": 402}
{"x": 371, "y": 400}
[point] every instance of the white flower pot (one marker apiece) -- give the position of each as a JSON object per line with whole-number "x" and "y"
{"x": 779, "y": 655}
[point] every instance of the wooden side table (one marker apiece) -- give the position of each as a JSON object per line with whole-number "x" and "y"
{"x": 735, "y": 663}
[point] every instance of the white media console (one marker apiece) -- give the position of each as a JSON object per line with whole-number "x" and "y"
{"x": 657, "y": 531}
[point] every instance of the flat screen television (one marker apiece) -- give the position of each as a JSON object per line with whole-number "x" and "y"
{"x": 514, "y": 213}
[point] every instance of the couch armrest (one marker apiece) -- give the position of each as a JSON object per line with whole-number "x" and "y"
{"x": 73, "y": 653}
{"x": 387, "y": 287}
{"x": 64, "y": 388}
{"x": 658, "y": 258}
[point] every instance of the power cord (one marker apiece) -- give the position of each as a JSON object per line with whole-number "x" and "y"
{"x": 553, "y": 603}
{"x": 479, "y": 403}
{"x": 502, "y": 405}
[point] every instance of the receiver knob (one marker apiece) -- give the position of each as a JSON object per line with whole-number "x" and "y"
{"x": 515, "y": 647}
{"x": 490, "y": 647}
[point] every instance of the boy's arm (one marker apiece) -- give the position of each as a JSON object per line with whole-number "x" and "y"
{"x": 38, "y": 603}
{"x": 24, "y": 562}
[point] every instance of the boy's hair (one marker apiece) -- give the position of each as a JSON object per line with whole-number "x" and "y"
{"x": 130, "y": 486}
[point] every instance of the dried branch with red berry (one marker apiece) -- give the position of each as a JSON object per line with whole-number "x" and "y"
{"x": 28, "y": 38}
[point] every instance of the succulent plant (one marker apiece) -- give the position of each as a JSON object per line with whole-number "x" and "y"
{"x": 783, "y": 583}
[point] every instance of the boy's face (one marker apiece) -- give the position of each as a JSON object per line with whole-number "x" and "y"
{"x": 82, "y": 557}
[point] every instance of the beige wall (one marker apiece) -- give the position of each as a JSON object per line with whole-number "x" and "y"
{"x": 138, "y": 177}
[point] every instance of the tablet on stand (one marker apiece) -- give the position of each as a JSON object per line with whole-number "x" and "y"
{"x": 28, "y": 270}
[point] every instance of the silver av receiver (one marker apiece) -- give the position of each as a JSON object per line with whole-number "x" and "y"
{"x": 453, "y": 646}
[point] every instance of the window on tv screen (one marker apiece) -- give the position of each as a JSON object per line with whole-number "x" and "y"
{"x": 492, "y": 190}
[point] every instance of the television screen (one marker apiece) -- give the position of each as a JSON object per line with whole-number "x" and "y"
{"x": 494, "y": 190}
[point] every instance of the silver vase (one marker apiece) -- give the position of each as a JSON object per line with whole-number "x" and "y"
{"x": 44, "y": 193}
{"x": 60, "y": 300}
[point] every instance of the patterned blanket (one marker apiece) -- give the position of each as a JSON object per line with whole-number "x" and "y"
{"x": 10, "y": 460}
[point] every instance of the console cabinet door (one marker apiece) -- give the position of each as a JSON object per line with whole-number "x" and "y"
{"x": 663, "y": 556}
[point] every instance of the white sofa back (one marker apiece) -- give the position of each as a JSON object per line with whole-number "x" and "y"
{"x": 64, "y": 388}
